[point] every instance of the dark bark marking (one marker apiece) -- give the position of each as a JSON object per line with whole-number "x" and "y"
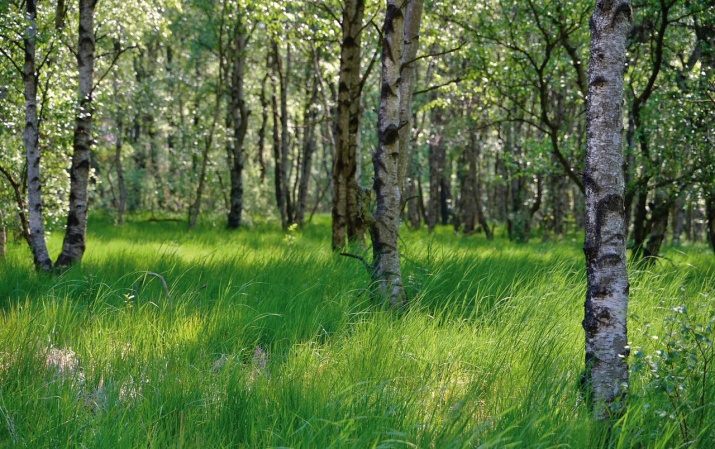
{"x": 390, "y": 135}
{"x": 598, "y": 81}
{"x": 72, "y": 219}
{"x": 605, "y": 5}
{"x": 349, "y": 41}
{"x": 392, "y": 12}
{"x": 609, "y": 204}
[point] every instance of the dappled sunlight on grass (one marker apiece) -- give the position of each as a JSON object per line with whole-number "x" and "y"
{"x": 262, "y": 341}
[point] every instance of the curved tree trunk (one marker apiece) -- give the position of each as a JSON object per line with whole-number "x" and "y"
{"x": 606, "y": 372}
{"x": 658, "y": 225}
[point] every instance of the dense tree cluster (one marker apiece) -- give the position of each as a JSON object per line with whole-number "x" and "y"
{"x": 256, "y": 111}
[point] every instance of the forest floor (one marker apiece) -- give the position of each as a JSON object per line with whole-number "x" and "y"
{"x": 265, "y": 338}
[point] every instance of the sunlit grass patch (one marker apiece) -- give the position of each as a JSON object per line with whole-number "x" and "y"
{"x": 245, "y": 339}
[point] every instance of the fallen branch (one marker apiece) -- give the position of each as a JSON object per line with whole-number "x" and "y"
{"x": 161, "y": 278}
{"x": 368, "y": 267}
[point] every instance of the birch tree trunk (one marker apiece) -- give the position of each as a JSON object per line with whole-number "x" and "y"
{"x": 238, "y": 113}
{"x": 37, "y": 241}
{"x": 606, "y": 372}
{"x": 347, "y": 124}
{"x": 280, "y": 170}
{"x": 413, "y": 20}
{"x": 437, "y": 155}
{"x": 309, "y": 122}
{"x": 76, "y": 230}
{"x": 710, "y": 215}
{"x": 387, "y": 276}
{"x": 3, "y": 236}
{"x": 195, "y": 207}
{"x": 122, "y": 205}
{"x": 284, "y": 73}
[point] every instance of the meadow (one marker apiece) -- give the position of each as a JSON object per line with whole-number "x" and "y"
{"x": 265, "y": 338}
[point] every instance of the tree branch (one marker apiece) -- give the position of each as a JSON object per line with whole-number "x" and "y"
{"x": 432, "y": 55}
{"x": 361, "y": 259}
{"x": 438, "y": 86}
{"x": 117, "y": 54}
{"x": 12, "y": 61}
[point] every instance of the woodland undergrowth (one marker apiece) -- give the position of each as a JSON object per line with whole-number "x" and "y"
{"x": 265, "y": 338}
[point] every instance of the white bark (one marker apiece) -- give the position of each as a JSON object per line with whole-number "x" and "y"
{"x": 606, "y": 375}
{"x": 347, "y": 126}
{"x": 413, "y": 20}
{"x": 239, "y": 120}
{"x": 31, "y": 138}
{"x": 75, "y": 233}
{"x": 387, "y": 276}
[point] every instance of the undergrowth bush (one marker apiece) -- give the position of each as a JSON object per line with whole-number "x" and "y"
{"x": 678, "y": 371}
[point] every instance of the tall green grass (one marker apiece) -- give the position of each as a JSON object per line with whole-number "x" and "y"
{"x": 264, "y": 338}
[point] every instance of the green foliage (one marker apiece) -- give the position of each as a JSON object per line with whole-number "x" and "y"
{"x": 679, "y": 373}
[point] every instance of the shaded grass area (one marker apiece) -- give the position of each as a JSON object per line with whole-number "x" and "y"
{"x": 267, "y": 339}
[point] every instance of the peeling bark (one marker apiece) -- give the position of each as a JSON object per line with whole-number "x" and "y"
{"x": 606, "y": 371}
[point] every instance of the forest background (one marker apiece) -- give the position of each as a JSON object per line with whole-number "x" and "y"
{"x": 204, "y": 109}
{"x": 241, "y": 113}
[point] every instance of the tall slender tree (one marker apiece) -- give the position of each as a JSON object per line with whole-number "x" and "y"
{"x": 384, "y": 229}
{"x": 30, "y": 75}
{"x": 76, "y": 230}
{"x": 606, "y": 372}
{"x": 347, "y": 127}
{"x": 238, "y": 115}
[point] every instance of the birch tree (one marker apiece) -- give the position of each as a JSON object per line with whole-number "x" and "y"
{"x": 30, "y": 75}
{"x": 387, "y": 275}
{"x": 238, "y": 116}
{"x": 347, "y": 125}
{"x": 74, "y": 242}
{"x": 606, "y": 373}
